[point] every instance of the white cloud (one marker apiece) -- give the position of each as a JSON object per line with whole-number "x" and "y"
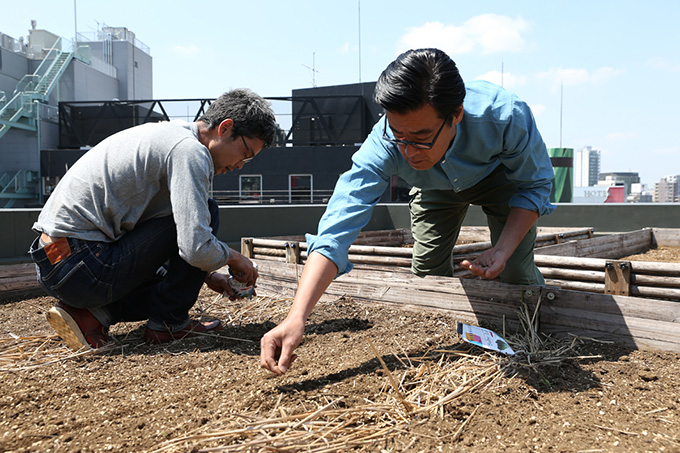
{"x": 345, "y": 48}
{"x": 538, "y": 109}
{"x": 487, "y": 33}
{"x": 663, "y": 64}
{"x": 572, "y": 76}
{"x": 507, "y": 80}
{"x": 605, "y": 73}
{"x": 186, "y": 51}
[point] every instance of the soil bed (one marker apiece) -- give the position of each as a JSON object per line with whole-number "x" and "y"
{"x": 134, "y": 397}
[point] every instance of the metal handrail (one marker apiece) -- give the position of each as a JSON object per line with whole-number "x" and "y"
{"x": 44, "y": 67}
{"x": 13, "y": 179}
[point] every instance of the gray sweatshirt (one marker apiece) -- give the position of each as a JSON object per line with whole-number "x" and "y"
{"x": 148, "y": 171}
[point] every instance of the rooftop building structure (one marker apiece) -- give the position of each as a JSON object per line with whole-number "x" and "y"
{"x": 587, "y": 167}
{"x": 42, "y": 70}
{"x": 667, "y": 190}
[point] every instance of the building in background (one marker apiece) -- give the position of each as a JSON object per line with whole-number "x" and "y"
{"x": 639, "y": 194}
{"x": 666, "y": 190}
{"x": 587, "y": 167}
{"x": 40, "y": 71}
{"x": 625, "y": 179}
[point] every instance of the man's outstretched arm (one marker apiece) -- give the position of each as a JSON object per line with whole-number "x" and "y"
{"x": 277, "y": 345}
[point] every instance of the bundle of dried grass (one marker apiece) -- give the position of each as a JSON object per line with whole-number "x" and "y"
{"x": 330, "y": 428}
{"x": 244, "y": 311}
{"x": 418, "y": 391}
{"x": 25, "y": 353}
{"x": 534, "y": 349}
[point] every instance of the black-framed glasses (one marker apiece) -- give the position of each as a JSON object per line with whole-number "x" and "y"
{"x": 418, "y": 145}
{"x": 247, "y": 159}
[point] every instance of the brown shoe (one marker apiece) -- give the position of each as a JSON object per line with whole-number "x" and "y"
{"x": 77, "y": 327}
{"x": 193, "y": 329}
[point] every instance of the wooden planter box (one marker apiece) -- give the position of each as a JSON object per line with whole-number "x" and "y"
{"x": 630, "y": 302}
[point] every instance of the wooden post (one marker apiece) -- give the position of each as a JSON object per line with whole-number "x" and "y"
{"x": 617, "y": 277}
{"x": 247, "y": 247}
{"x": 292, "y": 252}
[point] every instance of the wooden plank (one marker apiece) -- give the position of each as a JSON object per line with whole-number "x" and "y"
{"x": 625, "y": 306}
{"x": 19, "y": 285}
{"x": 576, "y": 286}
{"x": 570, "y": 262}
{"x": 247, "y": 247}
{"x": 617, "y": 277}
{"x": 32, "y": 277}
{"x": 654, "y": 280}
{"x": 633, "y": 332}
{"x": 572, "y": 274}
{"x": 653, "y": 292}
{"x": 18, "y": 279}
{"x": 12, "y": 270}
{"x": 268, "y": 251}
{"x": 668, "y": 237}
{"x": 609, "y": 246}
{"x": 672, "y": 294}
{"x": 293, "y": 252}
{"x": 384, "y": 260}
{"x": 638, "y": 267}
{"x": 652, "y": 268}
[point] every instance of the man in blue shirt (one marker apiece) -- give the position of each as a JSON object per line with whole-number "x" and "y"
{"x": 457, "y": 145}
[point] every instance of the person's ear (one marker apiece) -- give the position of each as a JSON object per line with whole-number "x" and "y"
{"x": 225, "y": 126}
{"x": 458, "y": 116}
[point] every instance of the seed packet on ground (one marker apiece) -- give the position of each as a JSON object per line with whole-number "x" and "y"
{"x": 484, "y": 338}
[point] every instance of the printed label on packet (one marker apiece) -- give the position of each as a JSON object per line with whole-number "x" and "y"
{"x": 241, "y": 289}
{"x": 485, "y": 338}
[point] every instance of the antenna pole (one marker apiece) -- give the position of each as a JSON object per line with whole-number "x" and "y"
{"x": 359, "y": 19}
{"x": 75, "y": 22}
{"x": 561, "y": 104}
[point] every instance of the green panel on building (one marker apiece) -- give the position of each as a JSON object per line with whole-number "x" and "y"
{"x": 562, "y": 160}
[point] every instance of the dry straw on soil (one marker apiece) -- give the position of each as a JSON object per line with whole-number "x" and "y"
{"x": 419, "y": 389}
{"x": 422, "y": 388}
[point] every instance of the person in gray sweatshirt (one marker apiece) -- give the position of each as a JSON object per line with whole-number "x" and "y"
{"x": 129, "y": 232}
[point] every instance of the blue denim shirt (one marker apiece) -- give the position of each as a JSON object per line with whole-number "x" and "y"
{"x": 497, "y": 129}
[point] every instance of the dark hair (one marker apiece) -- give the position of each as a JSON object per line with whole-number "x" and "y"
{"x": 420, "y": 77}
{"x": 252, "y": 115}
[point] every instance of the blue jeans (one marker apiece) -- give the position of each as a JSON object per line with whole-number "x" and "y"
{"x": 118, "y": 281}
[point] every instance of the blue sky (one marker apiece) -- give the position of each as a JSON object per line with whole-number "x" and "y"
{"x": 617, "y": 63}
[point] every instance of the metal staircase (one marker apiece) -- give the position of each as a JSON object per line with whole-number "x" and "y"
{"x": 19, "y": 111}
{"x": 22, "y": 184}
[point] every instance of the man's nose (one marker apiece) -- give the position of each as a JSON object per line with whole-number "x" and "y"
{"x": 410, "y": 150}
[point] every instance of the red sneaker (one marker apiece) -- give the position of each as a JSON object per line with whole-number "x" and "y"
{"x": 193, "y": 329}
{"x": 78, "y": 327}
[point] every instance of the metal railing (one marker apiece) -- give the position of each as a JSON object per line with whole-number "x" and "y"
{"x": 116, "y": 34}
{"x": 12, "y": 44}
{"x": 21, "y": 184}
{"x": 293, "y": 196}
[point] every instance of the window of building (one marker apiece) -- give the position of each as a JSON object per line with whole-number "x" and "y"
{"x": 300, "y": 188}
{"x": 250, "y": 188}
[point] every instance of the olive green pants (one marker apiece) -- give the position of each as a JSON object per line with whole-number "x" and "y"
{"x": 436, "y": 219}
